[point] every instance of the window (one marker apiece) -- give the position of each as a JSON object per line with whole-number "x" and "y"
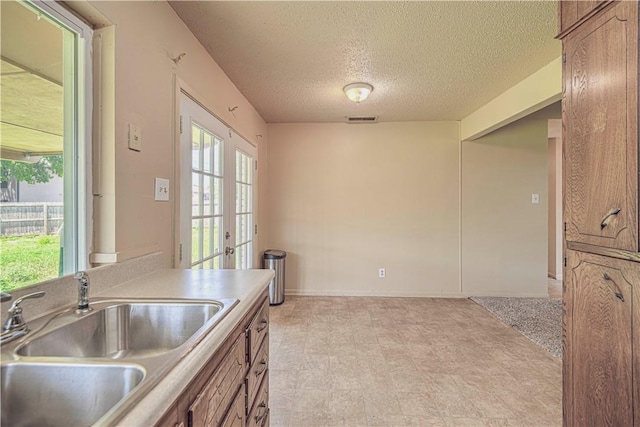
{"x": 44, "y": 142}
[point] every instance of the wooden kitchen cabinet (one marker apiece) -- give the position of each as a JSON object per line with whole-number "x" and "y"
{"x": 601, "y": 304}
{"x": 257, "y": 379}
{"x": 219, "y": 394}
{"x": 600, "y": 103}
{"x": 570, "y": 12}
{"x": 601, "y": 340}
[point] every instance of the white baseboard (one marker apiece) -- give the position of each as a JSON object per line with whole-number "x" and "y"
{"x": 413, "y": 294}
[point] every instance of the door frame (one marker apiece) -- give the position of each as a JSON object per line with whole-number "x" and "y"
{"x": 180, "y": 86}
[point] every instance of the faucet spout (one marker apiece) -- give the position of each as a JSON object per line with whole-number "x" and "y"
{"x": 83, "y": 292}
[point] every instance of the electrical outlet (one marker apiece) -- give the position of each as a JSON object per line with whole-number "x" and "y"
{"x": 382, "y": 273}
{"x": 535, "y": 199}
{"x": 162, "y": 190}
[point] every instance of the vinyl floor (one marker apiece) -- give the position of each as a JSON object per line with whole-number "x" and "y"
{"x": 371, "y": 361}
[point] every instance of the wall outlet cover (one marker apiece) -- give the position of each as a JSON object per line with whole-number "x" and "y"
{"x": 162, "y": 190}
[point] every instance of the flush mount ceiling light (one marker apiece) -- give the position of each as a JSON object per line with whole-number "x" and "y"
{"x": 357, "y": 92}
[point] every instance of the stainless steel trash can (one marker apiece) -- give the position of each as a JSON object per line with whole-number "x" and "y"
{"x": 274, "y": 260}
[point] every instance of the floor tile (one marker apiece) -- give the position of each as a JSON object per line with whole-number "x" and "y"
{"x": 365, "y": 361}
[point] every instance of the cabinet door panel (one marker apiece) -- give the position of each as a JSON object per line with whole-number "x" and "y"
{"x": 212, "y": 402}
{"x": 600, "y": 96}
{"x": 600, "y": 316}
{"x": 257, "y": 330}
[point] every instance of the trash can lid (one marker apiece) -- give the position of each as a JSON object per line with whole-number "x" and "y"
{"x": 274, "y": 254}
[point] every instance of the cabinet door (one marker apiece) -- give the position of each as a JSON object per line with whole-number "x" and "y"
{"x": 600, "y": 96}
{"x": 216, "y": 397}
{"x": 598, "y": 339}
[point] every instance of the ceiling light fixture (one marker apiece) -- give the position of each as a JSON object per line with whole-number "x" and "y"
{"x": 357, "y": 92}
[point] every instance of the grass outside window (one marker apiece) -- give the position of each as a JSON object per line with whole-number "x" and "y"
{"x": 26, "y": 260}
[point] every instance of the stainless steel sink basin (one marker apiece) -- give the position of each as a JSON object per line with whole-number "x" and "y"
{"x": 60, "y": 394}
{"x": 125, "y": 330}
{"x": 92, "y": 368}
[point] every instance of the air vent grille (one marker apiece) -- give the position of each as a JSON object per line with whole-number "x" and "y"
{"x": 362, "y": 119}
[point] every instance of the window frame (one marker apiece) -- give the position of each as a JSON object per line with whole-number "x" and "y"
{"x": 76, "y": 257}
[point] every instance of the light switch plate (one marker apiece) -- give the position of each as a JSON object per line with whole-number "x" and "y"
{"x": 135, "y": 137}
{"x": 162, "y": 190}
{"x": 535, "y": 199}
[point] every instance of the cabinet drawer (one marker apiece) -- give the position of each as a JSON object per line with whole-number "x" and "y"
{"x": 257, "y": 372}
{"x": 258, "y": 329}
{"x": 260, "y": 412}
{"x": 235, "y": 416}
{"x": 217, "y": 395}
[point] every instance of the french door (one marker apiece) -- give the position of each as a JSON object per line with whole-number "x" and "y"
{"x": 217, "y": 192}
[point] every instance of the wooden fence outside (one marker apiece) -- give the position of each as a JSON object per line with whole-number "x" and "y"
{"x": 19, "y": 219}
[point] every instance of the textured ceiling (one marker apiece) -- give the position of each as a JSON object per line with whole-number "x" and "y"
{"x": 438, "y": 60}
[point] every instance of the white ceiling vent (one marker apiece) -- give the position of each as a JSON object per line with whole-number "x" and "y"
{"x": 362, "y": 119}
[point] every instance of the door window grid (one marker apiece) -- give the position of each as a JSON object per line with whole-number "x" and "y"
{"x": 244, "y": 210}
{"x": 207, "y": 192}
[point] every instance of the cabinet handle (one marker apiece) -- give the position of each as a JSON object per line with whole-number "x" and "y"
{"x": 263, "y": 325}
{"x": 264, "y": 367}
{"x": 617, "y": 292}
{"x": 259, "y": 418}
{"x": 604, "y": 222}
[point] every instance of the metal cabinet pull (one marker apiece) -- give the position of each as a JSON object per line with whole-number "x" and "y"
{"x": 263, "y": 325}
{"x": 264, "y": 368}
{"x": 259, "y": 418}
{"x": 617, "y": 291}
{"x": 604, "y": 222}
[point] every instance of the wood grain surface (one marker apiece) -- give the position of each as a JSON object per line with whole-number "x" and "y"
{"x": 601, "y": 129}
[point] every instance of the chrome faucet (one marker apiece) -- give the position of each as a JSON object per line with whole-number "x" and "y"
{"x": 15, "y": 326}
{"x": 83, "y": 292}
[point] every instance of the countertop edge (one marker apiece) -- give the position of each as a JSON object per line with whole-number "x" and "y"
{"x": 246, "y": 286}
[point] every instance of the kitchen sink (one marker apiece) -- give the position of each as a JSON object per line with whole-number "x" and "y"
{"x": 125, "y": 330}
{"x": 62, "y": 394}
{"x": 92, "y": 368}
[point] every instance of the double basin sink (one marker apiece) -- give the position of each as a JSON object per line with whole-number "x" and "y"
{"x": 91, "y": 369}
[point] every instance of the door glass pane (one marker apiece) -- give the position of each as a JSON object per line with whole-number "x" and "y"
{"x": 196, "y": 137}
{"x": 243, "y": 256}
{"x": 217, "y": 164}
{"x": 208, "y": 152}
{"x": 207, "y": 236}
{"x": 196, "y": 240}
{"x": 195, "y": 195}
{"x": 217, "y": 235}
{"x": 206, "y": 196}
{"x": 216, "y": 200}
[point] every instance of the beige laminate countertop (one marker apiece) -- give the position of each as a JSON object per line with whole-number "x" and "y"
{"x": 244, "y": 285}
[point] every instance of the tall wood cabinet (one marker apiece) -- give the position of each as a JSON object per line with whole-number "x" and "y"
{"x": 601, "y": 292}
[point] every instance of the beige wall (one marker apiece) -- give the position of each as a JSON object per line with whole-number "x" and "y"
{"x": 504, "y": 235}
{"x": 147, "y": 36}
{"x": 345, "y": 200}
